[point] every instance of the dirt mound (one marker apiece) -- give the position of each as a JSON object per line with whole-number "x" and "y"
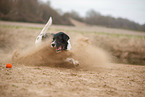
{"x": 77, "y": 23}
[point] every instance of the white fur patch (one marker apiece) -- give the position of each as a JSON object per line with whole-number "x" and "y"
{"x": 69, "y": 45}
{"x": 38, "y": 39}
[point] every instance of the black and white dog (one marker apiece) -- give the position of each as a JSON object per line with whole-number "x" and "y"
{"x": 60, "y": 41}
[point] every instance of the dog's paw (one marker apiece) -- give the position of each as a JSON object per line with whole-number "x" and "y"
{"x": 72, "y": 61}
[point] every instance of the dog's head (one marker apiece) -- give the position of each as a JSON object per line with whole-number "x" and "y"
{"x": 60, "y": 41}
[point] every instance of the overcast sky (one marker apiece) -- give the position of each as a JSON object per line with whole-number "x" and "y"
{"x": 130, "y": 9}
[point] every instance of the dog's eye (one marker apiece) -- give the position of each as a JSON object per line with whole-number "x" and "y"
{"x": 53, "y": 40}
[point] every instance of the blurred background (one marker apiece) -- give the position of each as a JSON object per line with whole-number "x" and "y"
{"x": 126, "y": 14}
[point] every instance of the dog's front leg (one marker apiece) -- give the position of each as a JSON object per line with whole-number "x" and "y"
{"x": 72, "y": 61}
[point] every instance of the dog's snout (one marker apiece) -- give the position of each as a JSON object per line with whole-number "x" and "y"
{"x": 53, "y": 45}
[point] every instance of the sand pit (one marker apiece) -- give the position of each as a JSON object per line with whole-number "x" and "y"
{"x": 40, "y": 72}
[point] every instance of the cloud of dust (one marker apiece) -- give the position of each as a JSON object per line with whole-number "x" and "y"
{"x": 88, "y": 55}
{"x": 43, "y": 55}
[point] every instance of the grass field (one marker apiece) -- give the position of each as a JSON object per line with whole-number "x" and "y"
{"x": 101, "y": 52}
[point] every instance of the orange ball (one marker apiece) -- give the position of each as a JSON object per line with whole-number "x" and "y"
{"x": 9, "y": 65}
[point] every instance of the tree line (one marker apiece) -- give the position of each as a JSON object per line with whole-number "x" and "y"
{"x": 95, "y": 18}
{"x": 30, "y": 11}
{"x": 36, "y": 11}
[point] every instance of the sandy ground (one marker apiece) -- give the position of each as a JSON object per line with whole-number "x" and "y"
{"x": 33, "y": 75}
{"x": 39, "y": 81}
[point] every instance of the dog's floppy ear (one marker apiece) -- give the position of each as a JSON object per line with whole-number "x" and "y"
{"x": 65, "y": 37}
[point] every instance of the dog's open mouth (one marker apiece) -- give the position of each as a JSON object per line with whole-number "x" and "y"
{"x": 59, "y": 49}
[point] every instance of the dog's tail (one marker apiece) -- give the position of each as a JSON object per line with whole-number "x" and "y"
{"x": 43, "y": 32}
{"x": 46, "y": 26}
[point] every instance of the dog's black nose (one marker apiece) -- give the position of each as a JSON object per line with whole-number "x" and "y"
{"x": 53, "y": 45}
